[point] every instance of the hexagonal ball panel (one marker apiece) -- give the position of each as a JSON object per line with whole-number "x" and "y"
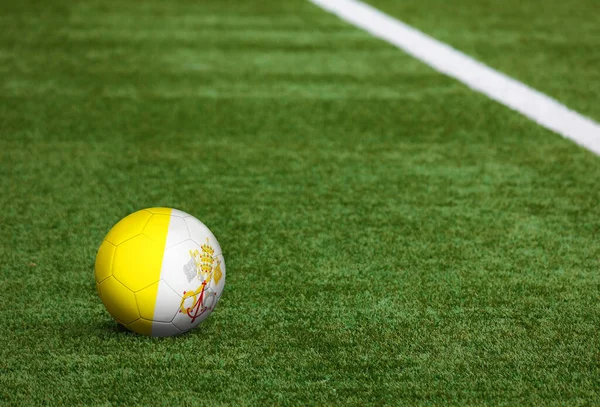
{"x": 179, "y": 214}
{"x": 218, "y": 281}
{"x": 118, "y": 300}
{"x": 157, "y": 227}
{"x": 138, "y": 262}
{"x": 178, "y": 268}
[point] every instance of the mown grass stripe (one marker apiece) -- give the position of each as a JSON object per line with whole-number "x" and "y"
{"x": 531, "y": 103}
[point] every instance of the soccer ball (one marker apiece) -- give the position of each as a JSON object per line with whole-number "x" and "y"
{"x": 160, "y": 272}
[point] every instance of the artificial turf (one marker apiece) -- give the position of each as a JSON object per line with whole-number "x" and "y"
{"x": 550, "y": 45}
{"x": 391, "y": 237}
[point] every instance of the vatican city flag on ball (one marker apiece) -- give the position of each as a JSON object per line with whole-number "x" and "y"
{"x": 160, "y": 272}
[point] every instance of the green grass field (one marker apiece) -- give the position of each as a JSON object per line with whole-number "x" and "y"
{"x": 391, "y": 237}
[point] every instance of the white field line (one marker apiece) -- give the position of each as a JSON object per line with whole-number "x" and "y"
{"x": 533, "y": 104}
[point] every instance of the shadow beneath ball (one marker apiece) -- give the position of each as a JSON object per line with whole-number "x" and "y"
{"x": 114, "y": 327}
{"x": 122, "y": 329}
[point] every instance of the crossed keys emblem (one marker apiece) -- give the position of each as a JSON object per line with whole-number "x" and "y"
{"x": 205, "y": 268}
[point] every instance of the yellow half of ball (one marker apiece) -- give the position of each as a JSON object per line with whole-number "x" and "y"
{"x": 127, "y": 278}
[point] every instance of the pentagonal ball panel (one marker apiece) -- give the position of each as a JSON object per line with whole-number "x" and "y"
{"x": 161, "y": 329}
{"x": 162, "y": 211}
{"x": 128, "y": 227}
{"x": 202, "y": 235}
{"x": 195, "y": 308}
{"x": 141, "y": 326}
{"x": 210, "y": 300}
{"x": 178, "y": 232}
{"x": 158, "y": 302}
{"x": 104, "y": 261}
